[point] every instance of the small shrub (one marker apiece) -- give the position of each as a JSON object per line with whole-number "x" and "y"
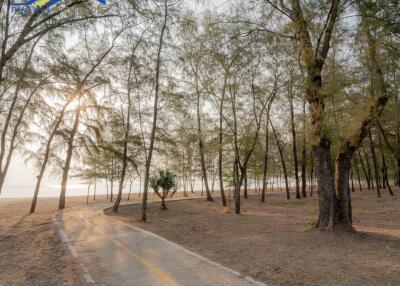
{"x": 164, "y": 184}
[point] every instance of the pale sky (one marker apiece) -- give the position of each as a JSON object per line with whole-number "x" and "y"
{"x": 20, "y": 178}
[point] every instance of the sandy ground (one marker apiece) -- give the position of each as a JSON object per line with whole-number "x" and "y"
{"x": 277, "y": 243}
{"x": 31, "y": 252}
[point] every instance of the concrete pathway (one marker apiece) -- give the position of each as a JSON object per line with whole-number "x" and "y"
{"x": 111, "y": 252}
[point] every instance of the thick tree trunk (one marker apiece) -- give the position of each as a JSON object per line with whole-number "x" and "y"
{"x": 314, "y": 59}
{"x": 163, "y": 205}
{"x": 343, "y": 167}
{"x": 325, "y": 177}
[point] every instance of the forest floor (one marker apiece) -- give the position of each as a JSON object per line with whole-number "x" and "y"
{"x": 277, "y": 243}
{"x": 31, "y": 251}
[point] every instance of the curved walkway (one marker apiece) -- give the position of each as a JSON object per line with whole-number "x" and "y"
{"x": 111, "y": 252}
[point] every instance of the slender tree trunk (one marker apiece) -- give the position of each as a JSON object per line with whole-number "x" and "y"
{"x": 357, "y": 173}
{"x": 46, "y": 157}
{"x": 123, "y": 171}
{"x": 107, "y": 187}
{"x": 312, "y": 177}
{"x": 127, "y": 129}
{"x": 220, "y": 145}
{"x": 61, "y": 204}
{"x": 282, "y": 160}
{"x": 112, "y": 190}
{"x": 201, "y": 146}
{"x": 371, "y": 179}
{"x": 245, "y": 194}
{"x": 294, "y": 145}
{"x": 304, "y": 155}
{"x": 130, "y": 189}
{"x": 95, "y": 189}
{"x": 367, "y": 178}
{"x": 352, "y": 180}
{"x": 88, "y": 193}
{"x": 265, "y": 170}
{"x": 375, "y": 161}
{"x": 155, "y": 112}
{"x": 384, "y": 170}
{"x": 237, "y": 185}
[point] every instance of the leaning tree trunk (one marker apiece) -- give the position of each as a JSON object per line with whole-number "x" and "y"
{"x": 123, "y": 172}
{"x": 46, "y": 157}
{"x": 125, "y": 152}
{"x": 61, "y": 204}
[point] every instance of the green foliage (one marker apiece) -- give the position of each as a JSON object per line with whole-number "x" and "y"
{"x": 167, "y": 182}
